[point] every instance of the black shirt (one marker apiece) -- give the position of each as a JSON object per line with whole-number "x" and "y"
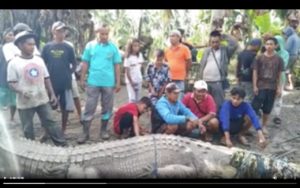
{"x": 244, "y": 66}
{"x": 58, "y": 57}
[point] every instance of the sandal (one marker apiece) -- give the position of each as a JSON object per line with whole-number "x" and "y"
{"x": 277, "y": 120}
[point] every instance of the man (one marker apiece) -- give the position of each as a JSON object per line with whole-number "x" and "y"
{"x": 7, "y": 96}
{"x": 245, "y": 65}
{"x": 28, "y": 76}
{"x": 203, "y": 106}
{"x": 293, "y": 21}
{"x": 126, "y": 120}
{"x": 292, "y": 46}
{"x": 214, "y": 66}
{"x": 101, "y": 58}
{"x": 235, "y": 116}
{"x": 179, "y": 59}
{"x": 172, "y": 117}
{"x": 10, "y": 50}
{"x": 266, "y": 80}
{"x": 58, "y": 56}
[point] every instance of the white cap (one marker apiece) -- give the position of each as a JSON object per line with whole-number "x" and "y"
{"x": 175, "y": 32}
{"x": 200, "y": 84}
{"x": 58, "y": 25}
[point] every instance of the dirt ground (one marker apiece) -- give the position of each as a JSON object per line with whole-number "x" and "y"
{"x": 283, "y": 142}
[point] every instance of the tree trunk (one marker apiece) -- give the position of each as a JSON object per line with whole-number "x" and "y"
{"x": 79, "y": 23}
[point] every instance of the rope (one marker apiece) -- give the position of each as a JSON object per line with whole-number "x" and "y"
{"x": 246, "y": 163}
{"x": 154, "y": 172}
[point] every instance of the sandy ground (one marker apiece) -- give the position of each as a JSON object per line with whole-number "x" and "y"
{"x": 283, "y": 142}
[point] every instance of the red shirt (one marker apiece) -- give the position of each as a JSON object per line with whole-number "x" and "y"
{"x": 206, "y": 106}
{"x": 130, "y": 108}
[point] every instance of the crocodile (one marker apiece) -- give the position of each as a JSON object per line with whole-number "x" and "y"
{"x": 149, "y": 156}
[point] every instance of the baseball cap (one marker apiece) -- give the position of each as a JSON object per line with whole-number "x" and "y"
{"x": 58, "y": 25}
{"x": 24, "y": 35}
{"x": 200, "y": 84}
{"x": 19, "y": 27}
{"x": 172, "y": 87}
{"x": 255, "y": 42}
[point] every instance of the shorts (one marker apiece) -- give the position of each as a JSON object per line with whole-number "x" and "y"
{"x": 291, "y": 63}
{"x": 126, "y": 123}
{"x": 158, "y": 124}
{"x": 65, "y": 99}
{"x": 264, "y": 100}
{"x": 235, "y": 126}
{"x": 75, "y": 90}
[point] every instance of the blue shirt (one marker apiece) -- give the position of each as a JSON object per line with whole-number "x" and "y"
{"x": 173, "y": 113}
{"x": 101, "y": 59}
{"x": 292, "y": 44}
{"x": 229, "y": 113}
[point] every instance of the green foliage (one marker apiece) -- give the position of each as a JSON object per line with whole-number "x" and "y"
{"x": 122, "y": 26}
{"x": 263, "y": 23}
{"x": 200, "y": 54}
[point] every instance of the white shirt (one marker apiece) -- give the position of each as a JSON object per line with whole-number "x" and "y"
{"x": 211, "y": 71}
{"x": 30, "y": 76}
{"x": 134, "y": 63}
{"x": 10, "y": 50}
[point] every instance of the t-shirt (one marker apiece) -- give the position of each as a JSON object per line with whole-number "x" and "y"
{"x": 10, "y": 51}
{"x": 72, "y": 45}
{"x": 206, "y": 106}
{"x": 245, "y": 63}
{"x": 177, "y": 58}
{"x": 268, "y": 69}
{"x": 134, "y": 63}
{"x": 211, "y": 71}
{"x": 58, "y": 57}
{"x": 228, "y": 113}
{"x": 30, "y": 75}
{"x": 101, "y": 59}
{"x": 127, "y": 108}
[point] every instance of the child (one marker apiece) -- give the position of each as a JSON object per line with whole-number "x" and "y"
{"x": 157, "y": 76}
{"x": 133, "y": 75}
{"x": 234, "y": 118}
{"x": 126, "y": 120}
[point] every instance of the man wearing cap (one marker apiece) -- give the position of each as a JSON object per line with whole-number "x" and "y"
{"x": 179, "y": 59}
{"x": 172, "y": 116}
{"x": 28, "y": 76}
{"x": 244, "y": 67}
{"x": 101, "y": 58}
{"x": 202, "y": 104}
{"x": 10, "y": 50}
{"x": 59, "y": 56}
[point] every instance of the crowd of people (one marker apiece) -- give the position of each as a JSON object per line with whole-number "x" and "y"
{"x": 39, "y": 82}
